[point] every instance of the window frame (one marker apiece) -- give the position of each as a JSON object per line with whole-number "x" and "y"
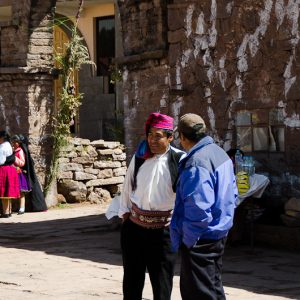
{"x": 108, "y": 86}
{"x": 260, "y": 124}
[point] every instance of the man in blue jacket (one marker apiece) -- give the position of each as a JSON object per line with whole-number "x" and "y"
{"x": 204, "y": 208}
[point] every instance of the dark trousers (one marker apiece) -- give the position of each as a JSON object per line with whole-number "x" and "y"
{"x": 201, "y": 268}
{"x": 146, "y": 249}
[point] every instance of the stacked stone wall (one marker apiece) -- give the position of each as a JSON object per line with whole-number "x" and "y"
{"x": 91, "y": 171}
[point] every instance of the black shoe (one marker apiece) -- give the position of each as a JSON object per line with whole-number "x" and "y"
{"x": 5, "y": 215}
{"x": 21, "y": 212}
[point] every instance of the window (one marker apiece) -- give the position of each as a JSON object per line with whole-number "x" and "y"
{"x": 105, "y": 41}
{"x": 5, "y": 11}
{"x": 260, "y": 130}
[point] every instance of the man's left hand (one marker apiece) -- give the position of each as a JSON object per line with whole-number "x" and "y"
{"x": 169, "y": 219}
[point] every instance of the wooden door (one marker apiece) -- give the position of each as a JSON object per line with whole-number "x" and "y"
{"x": 60, "y": 40}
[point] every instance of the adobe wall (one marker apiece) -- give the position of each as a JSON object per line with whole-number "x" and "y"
{"x": 215, "y": 58}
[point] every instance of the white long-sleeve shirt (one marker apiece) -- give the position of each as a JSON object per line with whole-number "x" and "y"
{"x": 154, "y": 186}
{"x": 5, "y": 151}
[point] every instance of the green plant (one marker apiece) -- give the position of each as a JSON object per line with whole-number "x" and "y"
{"x": 62, "y": 205}
{"x": 69, "y": 62}
{"x": 115, "y": 73}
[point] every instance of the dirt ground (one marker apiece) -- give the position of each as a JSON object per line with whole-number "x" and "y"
{"x": 73, "y": 254}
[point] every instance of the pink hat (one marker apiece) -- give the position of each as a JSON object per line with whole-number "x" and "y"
{"x": 158, "y": 120}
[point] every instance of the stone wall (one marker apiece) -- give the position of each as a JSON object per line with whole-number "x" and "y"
{"x": 26, "y": 83}
{"x": 26, "y": 107}
{"x": 91, "y": 171}
{"x": 217, "y": 58}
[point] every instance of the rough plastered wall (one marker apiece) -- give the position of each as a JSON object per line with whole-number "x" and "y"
{"x": 215, "y": 57}
{"x": 146, "y": 70}
{"x": 26, "y": 85}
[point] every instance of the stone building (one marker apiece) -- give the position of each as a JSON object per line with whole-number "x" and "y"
{"x": 26, "y": 83}
{"x": 233, "y": 62}
{"x": 31, "y": 31}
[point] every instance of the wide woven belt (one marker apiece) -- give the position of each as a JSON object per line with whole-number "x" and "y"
{"x": 148, "y": 218}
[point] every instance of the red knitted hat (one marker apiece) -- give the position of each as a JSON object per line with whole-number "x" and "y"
{"x": 158, "y": 120}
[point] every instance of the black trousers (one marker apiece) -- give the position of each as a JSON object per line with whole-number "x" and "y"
{"x": 146, "y": 249}
{"x": 201, "y": 268}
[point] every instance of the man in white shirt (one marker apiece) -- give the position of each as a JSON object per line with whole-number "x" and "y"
{"x": 146, "y": 205}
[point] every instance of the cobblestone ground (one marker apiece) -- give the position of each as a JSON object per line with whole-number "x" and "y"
{"x": 73, "y": 254}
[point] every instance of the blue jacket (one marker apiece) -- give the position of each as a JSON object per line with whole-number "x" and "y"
{"x": 205, "y": 197}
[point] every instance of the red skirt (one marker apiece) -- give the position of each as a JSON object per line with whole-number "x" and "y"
{"x": 9, "y": 182}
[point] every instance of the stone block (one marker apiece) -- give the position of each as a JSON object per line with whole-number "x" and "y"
{"x": 83, "y": 160}
{"x": 111, "y": 145}
{"x": 61, "y": 199}
{"x": 106, "y": 151}
{"x": 94, "y": 198}
{"x": 119, "y": 171}
{"x": 40, "y": 49}
{"x": 41, "y": 35}
{"x": 65, "y": 175}
{"x": 105, "y": 173}
{"x": 103, "y": 194}
{"x": 84, "y": 176}
{"x": 107, "y": 164}
{"x": 70, "y": 167}
{"x": 90, "y": 189}
{"x": 69, "y": 154}
{"x": 105, "y": 158}
{"x": 73, "y": 191}
{"x": 83, "y": 154}
{"x": 103, "y": 144}
{"x": 40, "y": 42}
{"x": 91, "y": 171}
{"x": 118, "y": 151}
{"x": 119, "y": 157}
{"x": 79, "y": 148}
{"x": 97, "y": 144}
{"x": 91, "y": 151}
{"x": 63, "y": 160}
{"x": 108, "y": 181}
{"x": 79, "y": 142}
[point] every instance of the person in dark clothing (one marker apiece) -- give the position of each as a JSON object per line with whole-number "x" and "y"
{"x": 35, "y": 200}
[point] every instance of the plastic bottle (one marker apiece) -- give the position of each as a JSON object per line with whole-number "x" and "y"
{"x": 238, "y": 161}
{"x": 246, "y": 165}
{"x": 242, "y": 175}
{"x": 249, "y": 165}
